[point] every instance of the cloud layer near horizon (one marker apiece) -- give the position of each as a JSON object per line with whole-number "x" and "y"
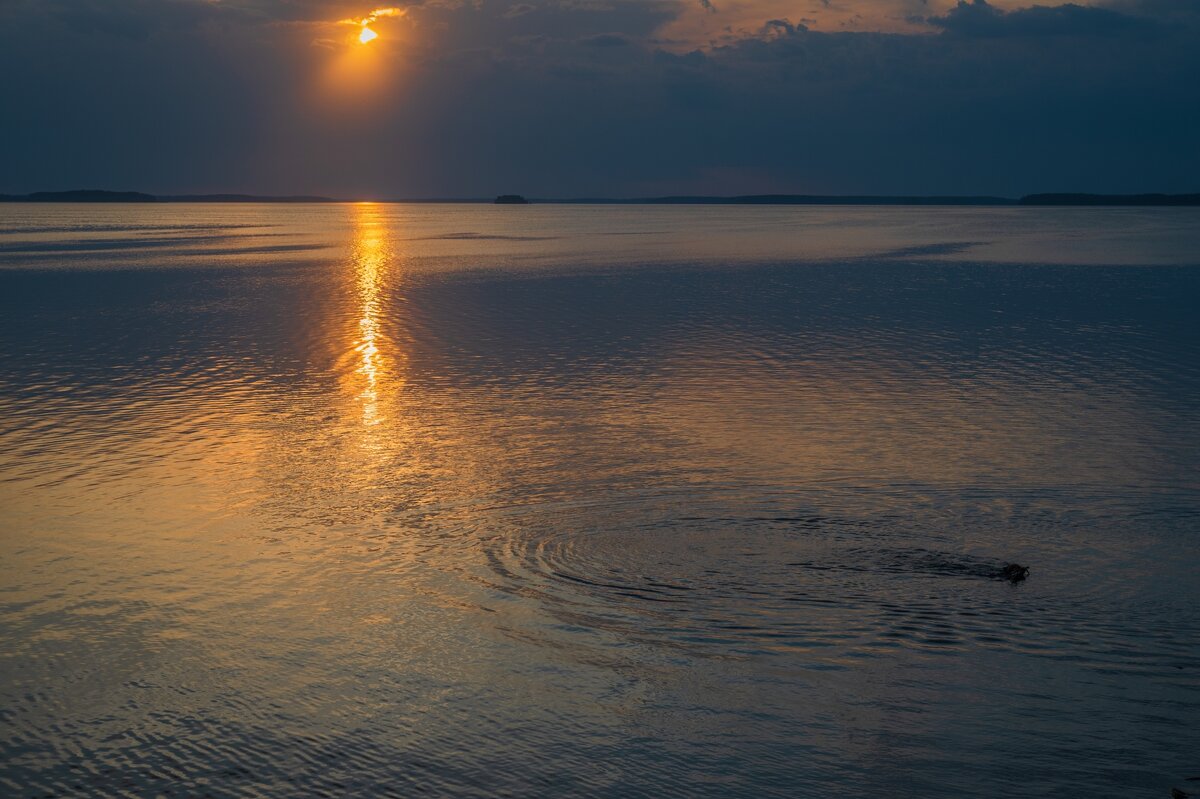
{"x": 600, "y": 97}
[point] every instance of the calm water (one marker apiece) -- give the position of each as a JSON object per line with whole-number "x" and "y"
{"x": 388, "y": 500}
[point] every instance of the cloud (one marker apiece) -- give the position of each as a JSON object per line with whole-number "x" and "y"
{"x": 370, "y": 17}
{"x": 605, "y": 40}
{"x": 774, "y": 28}
{"x": 128, "y": 19}
{"x": 598, "y": 97}
{"x": 980, "y": 19}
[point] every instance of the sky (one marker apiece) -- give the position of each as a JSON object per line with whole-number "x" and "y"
{"x": 600, "y": 98}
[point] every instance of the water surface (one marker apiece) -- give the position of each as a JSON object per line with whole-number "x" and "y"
{"x": 397, "y": 500}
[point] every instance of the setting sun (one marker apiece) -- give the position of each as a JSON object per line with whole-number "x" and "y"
{"x": 367, "y": 35}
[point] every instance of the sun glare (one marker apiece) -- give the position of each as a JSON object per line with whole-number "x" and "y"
{"x": 367, "y": 35}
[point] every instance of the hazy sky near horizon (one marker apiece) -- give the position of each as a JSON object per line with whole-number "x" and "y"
{"x": 571, "y": 98}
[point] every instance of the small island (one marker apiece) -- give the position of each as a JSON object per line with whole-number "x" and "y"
{"x": 104, "y": 196}
{"x": 1110, "y": 199}
{"x": 511, "y": 199}
{"x": 80, "y": 196}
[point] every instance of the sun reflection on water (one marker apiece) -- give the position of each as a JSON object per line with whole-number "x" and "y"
{"x": 371, "y": 258}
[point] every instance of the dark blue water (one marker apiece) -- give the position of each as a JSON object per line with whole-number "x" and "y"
{"x": 388, "y": 500}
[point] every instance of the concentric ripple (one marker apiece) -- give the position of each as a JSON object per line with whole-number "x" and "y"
{"x": 831, "y": 588}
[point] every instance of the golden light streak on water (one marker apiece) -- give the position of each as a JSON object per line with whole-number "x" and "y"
{"x": 371, "y": 258}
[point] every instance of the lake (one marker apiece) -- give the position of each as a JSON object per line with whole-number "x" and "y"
{"x": 614, "y": 501}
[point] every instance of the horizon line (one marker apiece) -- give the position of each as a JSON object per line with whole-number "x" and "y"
{"x": 1041, "y": 198}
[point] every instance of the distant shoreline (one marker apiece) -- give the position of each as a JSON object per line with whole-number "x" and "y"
{"x": 1060, "y": 199}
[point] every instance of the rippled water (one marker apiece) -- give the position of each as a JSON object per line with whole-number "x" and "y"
{"x": 387, "y": 500}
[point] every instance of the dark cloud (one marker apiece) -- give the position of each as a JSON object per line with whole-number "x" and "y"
{"x": 605, "y": 40}
{"x": 584, "y": 97}
{"x": 978, "y": 18}
{"x": 130, "y": 19}
{"x": 779, "y": 27}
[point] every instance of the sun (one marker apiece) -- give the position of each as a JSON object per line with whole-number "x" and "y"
{"x": 367, "y": 35}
